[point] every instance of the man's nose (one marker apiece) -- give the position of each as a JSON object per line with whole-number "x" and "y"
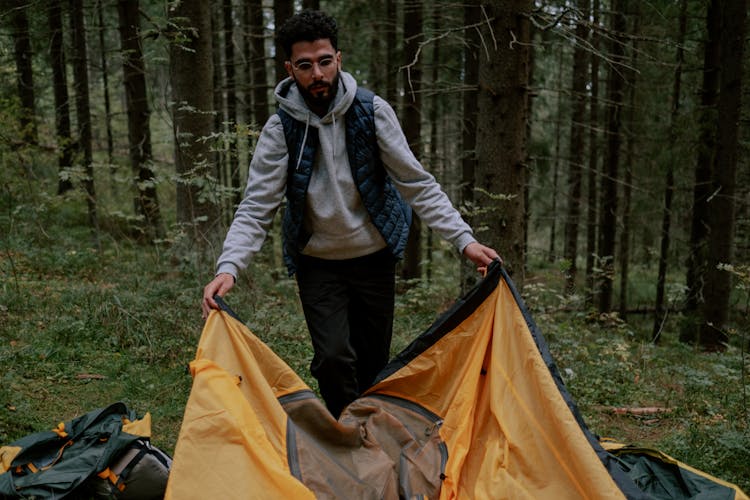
{"x": 317, "y": 71}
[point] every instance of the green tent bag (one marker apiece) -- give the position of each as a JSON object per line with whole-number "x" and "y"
{"x": 54, "y": 464}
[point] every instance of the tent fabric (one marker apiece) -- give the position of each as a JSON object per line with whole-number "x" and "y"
{"x": 662, "y": 476}
{"x": 473, "y": 408}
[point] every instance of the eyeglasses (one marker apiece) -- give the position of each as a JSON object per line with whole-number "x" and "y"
{"x": 324, "y": 63}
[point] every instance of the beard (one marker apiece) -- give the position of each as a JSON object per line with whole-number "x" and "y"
{"x": 320, "y": 94}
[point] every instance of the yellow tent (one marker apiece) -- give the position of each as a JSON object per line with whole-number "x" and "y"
{"x": 474, "y": 408}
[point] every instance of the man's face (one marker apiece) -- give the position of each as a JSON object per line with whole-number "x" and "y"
{"x": 315, "y": 67}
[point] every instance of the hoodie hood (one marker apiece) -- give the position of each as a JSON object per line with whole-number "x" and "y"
{"x": 290, "y": 100}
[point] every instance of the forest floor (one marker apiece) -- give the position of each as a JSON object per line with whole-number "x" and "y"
{"x": 83, "y": 325}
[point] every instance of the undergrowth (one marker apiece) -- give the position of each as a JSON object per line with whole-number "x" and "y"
{"x": 83, "y": 325}
{"x": 673, "y": 397}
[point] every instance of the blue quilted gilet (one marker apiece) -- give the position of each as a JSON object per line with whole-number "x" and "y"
{"x": 388, "y": 212}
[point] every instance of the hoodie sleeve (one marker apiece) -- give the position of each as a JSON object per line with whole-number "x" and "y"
{"x": 418, "y": 187}
{"x": 266, "y": 184}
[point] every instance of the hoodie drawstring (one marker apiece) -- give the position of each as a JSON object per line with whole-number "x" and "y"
{"x": 333, "y": 142}
{"x": 304, "y": 140}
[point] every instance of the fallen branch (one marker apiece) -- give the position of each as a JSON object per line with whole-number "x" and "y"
{"x": 649, "y": 410}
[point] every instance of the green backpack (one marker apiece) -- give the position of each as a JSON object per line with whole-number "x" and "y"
{"x": 94, "y": 455}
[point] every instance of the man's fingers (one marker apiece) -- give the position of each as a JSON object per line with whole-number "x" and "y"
{"x": 207, "y": 304}
{"x": 488, "y": 256}
{"x": 220, "y": 285}
{"x": 482, "y": 255}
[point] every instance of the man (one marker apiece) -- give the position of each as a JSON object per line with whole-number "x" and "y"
{"x": 339, "y": 155}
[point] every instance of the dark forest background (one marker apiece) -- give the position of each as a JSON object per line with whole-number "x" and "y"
{"x": 601, "y": 146}
{"x": 558, "y": 127}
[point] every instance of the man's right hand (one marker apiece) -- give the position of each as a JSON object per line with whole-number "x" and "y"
{"x": 220, "y": 285}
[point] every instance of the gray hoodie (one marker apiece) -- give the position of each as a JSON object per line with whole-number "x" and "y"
{"x": 334, "y": 212}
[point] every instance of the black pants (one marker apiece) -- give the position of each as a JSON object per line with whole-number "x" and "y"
{"x": 348, "y": 306}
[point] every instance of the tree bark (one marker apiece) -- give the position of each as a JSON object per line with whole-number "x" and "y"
{"x": 378, "y": 66}
{"x": 592, "y": 212}
{"x": 282, "y": 10}
{"x": 105, "y": 85}
{"x": 146, "y": 200}
{"x": 576, "y": 153}
{"x": 230, "y": 83}
{"x": 257, "y": 61}
{"x": 669, "y": 186}
{"x": 697, "y": 259}
{"x": 413, "y": 34}
{"x": 220, "y": 157}
{"x": 191, "y": 75}
{"x": 501, "y": 127}
{"x": 24, "y": 71}
{"x": 609, "y": 196}
{"x": 83, "y": 109}
{"x": 256, "y": 95}
{"x": 391, "y": 79}
{"x": 551, "y": 252}
{"x": 437, "y": 163}
{"x": 627, "y": 187}
{"x": 715, "y": 308}
{"x": 62, "y": 100}
{"x": 471, "y": 56}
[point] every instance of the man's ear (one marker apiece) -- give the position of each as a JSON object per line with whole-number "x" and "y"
{"x": 288, "y": 66}
{"x": 338, "y": 59}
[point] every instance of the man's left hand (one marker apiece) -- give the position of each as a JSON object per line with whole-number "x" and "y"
{"x": 481, "y": 255}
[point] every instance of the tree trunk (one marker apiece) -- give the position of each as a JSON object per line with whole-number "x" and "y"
{"x": 551, "y": 253}
{"x": 437, "y": 163}
{"x": 146, "y": 201}
{"x": 377, "y": 65}
{"x": 625, "y": 234}
{"x": 62, "y": 100}
{"x": 471, "y": 55}
{"x": 697, "y": 259}
{"x": 627, "y": 188}
{"x": 715, "y": 308}
{"x": 257, "y": 94}
{"x": 413, "y": 34}
{"x": 666, "y": 222}
{"x": 391, "y": 80}
{"x": 220, "y": 160}
{"x": 105, "y": 86}
{"x": 220, "y": 114}
{"x": 501, "y": 127}
{"x": 24, "y": 71}
{"x": 245, "y": 69}
{"x": 257, "y": 60}
{"x": 592, "y": 212}
{"x": 615, "y": 87}
{"x": 529, "y": 113}
{"x": 83, "y": 110}
{"x": 282, "y": 10}
{"x": 576, "y": 153}
{"x": 230, "y": 82}
{"x": 191, "y": 75}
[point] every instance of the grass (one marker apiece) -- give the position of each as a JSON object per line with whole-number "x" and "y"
{"x": 82, "y": 327}
{"x": 610, "y": 366}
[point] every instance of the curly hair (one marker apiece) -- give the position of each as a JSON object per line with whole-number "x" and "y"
{"x": 307, "y": 26}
